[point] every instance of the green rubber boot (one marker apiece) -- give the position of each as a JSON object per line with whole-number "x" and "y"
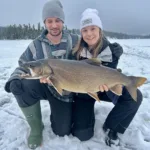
{"x": 34, "y": 119}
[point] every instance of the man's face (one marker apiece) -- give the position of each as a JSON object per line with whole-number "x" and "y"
{"x": 54, "y": 26}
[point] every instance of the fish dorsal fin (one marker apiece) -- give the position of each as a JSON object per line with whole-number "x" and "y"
{"x": 94, "y": 95}
{"x": 93, "y": 61}
{"x": 117, "y": 89}
{"x": 56, "y": 85}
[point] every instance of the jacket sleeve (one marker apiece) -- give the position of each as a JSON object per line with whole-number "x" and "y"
{"x": 25, "y": 57}
{"x": 117, "y": 51}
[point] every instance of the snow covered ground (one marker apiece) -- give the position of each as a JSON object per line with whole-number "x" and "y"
{"x": 13, "y": 127}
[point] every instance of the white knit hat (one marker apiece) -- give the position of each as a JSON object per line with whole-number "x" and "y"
{"x": 90, "y": 17}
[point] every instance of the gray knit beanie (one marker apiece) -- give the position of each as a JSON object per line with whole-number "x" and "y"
{"x": 53, "y": 8}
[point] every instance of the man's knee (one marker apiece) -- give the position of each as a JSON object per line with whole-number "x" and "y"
{"x": 61, "y": 126}
{"x": 62, "y": 130}
{"x": 84, "y": 134}
{"x": 16, "y": 87}
{"x": 24, "y": 93}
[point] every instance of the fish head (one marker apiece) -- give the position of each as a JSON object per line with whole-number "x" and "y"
{"x": 38, "y": 69}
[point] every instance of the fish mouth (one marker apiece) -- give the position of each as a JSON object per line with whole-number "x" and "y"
{"x": 35, "y": 69}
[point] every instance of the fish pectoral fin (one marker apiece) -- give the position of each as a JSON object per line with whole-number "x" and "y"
{"x": 48, "y": 78}
{"x": 117, "y": 89}
{"x": 93, "y": 61}
{"x": 57, "y": 87}
{"x": 66, "y": 92}
{"x": 94, "y": 95}
{"x": 59, "y": 90}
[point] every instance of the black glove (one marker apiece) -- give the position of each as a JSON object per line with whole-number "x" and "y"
{"x": 16, "y": 87}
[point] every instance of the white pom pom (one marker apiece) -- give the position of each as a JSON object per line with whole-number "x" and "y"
{"x": 89, "y": 11}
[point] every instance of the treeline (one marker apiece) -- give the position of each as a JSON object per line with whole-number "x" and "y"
{"x": 125, "y": 36}
{"x": 13, "y": 32}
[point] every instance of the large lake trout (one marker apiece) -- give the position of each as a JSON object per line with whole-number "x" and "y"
{"x": 82, "y": 77}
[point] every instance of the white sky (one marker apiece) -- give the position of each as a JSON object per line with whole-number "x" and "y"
{"x": 128, "y": 16}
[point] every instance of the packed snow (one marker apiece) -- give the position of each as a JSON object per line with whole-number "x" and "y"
{"x": 14, "y": 128}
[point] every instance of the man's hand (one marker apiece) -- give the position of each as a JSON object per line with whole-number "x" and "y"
{"x": 103, "y": 88}
{"x": 45, "y": 80}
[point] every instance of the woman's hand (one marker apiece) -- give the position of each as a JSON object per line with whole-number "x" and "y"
{"x": 103, "y": 88}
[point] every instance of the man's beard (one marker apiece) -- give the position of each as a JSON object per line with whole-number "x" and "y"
{"x": 54, "y": 34}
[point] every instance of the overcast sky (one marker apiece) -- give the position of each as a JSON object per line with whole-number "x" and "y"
{"x": 127, "y": 16}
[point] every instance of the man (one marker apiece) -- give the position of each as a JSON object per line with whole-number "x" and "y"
{"x": 54, "y": 42}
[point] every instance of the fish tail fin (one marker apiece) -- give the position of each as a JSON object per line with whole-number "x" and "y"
{"x": 135, "y": 83}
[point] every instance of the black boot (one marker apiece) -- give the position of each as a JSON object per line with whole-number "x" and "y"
{"x": 112, "y": 137}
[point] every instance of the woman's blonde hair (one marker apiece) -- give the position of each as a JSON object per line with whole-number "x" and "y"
{"x": 82, "y": 44}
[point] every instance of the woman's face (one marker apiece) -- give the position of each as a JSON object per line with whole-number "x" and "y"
{"x": 91, "y": 35}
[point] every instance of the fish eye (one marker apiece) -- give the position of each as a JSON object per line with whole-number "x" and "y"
{"x": 31, "y": 66}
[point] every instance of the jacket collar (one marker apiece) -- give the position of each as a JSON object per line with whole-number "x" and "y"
{"x": 105, "y": 54}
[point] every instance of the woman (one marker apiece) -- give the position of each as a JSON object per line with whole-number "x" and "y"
{"x": 93, "y": 44}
